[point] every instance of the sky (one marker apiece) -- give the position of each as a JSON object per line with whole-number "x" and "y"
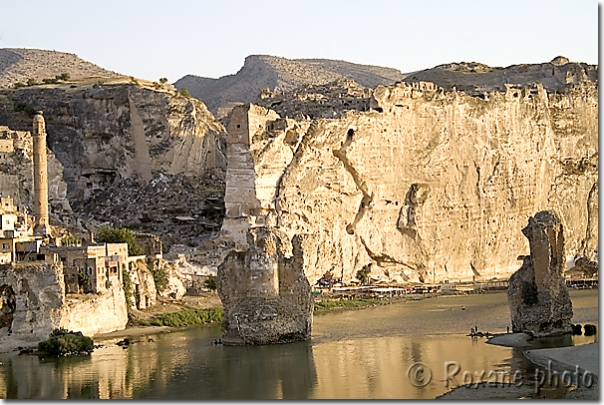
{"x": 211, "y": 38}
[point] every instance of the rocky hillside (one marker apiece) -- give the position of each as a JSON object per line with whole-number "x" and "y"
{"x": 20, "y": 65}
{"x": 279, "y": 74}
{"x": 476, "y": 78}
{"x": 133, "y": 154}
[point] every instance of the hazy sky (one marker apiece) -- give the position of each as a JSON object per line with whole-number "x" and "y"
{"x": 153, "y": 39}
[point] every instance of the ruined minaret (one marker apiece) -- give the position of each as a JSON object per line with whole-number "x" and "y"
{"x": 40, "y": 176}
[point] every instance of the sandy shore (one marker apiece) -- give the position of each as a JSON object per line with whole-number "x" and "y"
{"x": 135, "y": 331}
{"x": 567, "y": 359}
{"x": 9, "y": 344}
{"x": 558, "y": 360}
{"x": 510, "y": 340}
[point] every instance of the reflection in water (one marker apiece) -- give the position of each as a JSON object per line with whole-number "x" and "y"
{"x": 353, "y": 354}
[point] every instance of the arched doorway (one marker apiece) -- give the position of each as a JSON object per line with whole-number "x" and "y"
{"x": 8, "y": 304}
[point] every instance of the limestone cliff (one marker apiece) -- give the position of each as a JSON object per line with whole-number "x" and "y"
{"x": 537, "y": 293}
{"x": 429, "y": 185}
{"x": 39, "y": 303}
{"x": 133, "y": 153}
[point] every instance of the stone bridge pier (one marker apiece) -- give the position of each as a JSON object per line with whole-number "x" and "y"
{"x": 266, "y": 296}
{"x": 261, "y": 282}
{"x": 537, "y": 293}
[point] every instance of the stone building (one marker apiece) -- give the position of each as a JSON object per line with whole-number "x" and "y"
{"x": 101, "y": 263}
{"x": 6, "y": 144}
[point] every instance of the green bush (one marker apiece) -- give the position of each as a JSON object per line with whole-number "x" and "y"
{"x": 18, "y": 85}
{"x": 83, "y": 280}
{"x": 63, "y": 342}
{"x": 63, "y": 76}
{"x": 160, "y": 276}
{"x": 187, "y": 317}
{"x": 590, "y": 329}
{"x": 26, "y": 108}
{"x": 107, "y": 234}
{"x": 359, "y": 302}
{"x": 210, "y": 282}
{"x": 32, "y": 82}
{"x": 127, "y": 285}
{"x": 185, "y": 92}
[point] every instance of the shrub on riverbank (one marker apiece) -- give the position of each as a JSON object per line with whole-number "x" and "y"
{"x": 186, "y": 318}
{"x": 590, "y": 329}
{"x": 64, "y": 342}
{"x": 359, "y": 302}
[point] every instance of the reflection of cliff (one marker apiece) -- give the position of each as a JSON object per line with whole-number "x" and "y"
{"x": 376, "y": 367}
{"x": 181, "y": 365}
{"x": 429, "y": 185}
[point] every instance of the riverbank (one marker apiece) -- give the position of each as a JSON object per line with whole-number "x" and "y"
{"x": 582, "y": 360}
{"x": 573, "y": 361}
{"x": 330, "y": 305}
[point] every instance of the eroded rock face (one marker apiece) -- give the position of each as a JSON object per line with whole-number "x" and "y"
{"x": 131, "y": 155}
{"x": 42, "y": 306}
{"x": 537, "y": 293}
{"x": 429, "y": 185}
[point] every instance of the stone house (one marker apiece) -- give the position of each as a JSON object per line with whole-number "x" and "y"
{"x": 101, "y": 263}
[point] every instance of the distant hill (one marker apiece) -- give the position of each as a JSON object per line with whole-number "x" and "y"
{"x": 279, "y": 74}
{"x": 477, "y": 78}
{"x": 19, "y": 65}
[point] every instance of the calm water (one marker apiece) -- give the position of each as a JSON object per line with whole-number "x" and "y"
{"x": 353, "y": 354}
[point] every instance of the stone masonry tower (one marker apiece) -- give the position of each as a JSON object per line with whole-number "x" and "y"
{"x": 40, "y": 175}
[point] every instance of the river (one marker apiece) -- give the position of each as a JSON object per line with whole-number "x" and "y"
{"x": 370, "y": 353}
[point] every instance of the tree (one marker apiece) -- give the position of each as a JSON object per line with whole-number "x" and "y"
{"x": 119, "y": 235}
{"x": 163, "y": 80}
{"x": 185, "y": 93}
{"x": 363, "y": 274}
{"x": 31, "y": 82}
{"x": 63, "y": 76}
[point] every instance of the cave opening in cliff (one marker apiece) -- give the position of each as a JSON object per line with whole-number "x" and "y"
{"x": 8, "y": 305}
{"x": 349, "y": 135}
